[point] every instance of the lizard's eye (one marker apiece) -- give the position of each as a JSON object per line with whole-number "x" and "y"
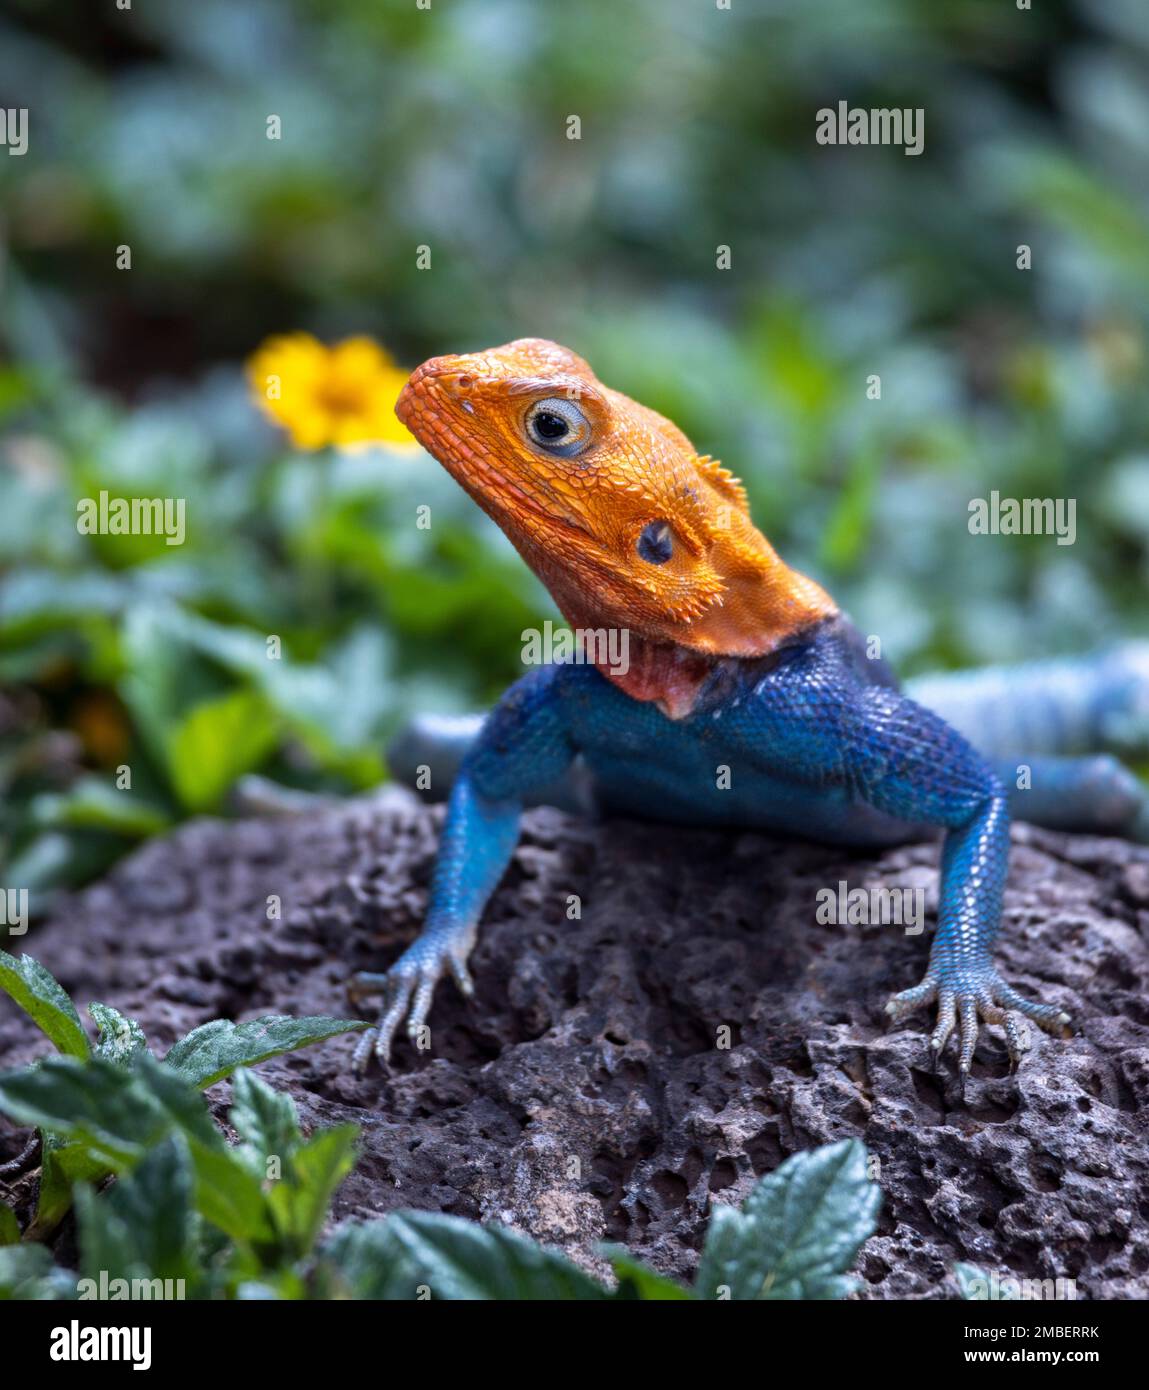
{"x": 558, "y": 426}
{"x": 654, "y": 542}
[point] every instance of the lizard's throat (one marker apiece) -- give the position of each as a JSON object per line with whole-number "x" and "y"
{"x": 645, "y": 668}
{"x": 669, "y": 669}
{"x": 667, "y": 660}
{"x": 669, "y": 676}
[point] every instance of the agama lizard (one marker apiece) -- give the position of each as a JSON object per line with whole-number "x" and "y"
{"x": 736, "y": 662}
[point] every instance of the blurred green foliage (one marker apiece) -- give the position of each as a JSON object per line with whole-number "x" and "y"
{"x": 447, "y": 128}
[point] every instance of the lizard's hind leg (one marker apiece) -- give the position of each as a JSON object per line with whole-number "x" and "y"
{"x": 1093, "y": 795}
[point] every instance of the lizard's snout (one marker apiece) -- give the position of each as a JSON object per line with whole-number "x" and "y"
{"x": 438, "y": 375}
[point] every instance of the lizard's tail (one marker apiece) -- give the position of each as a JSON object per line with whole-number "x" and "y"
{"x": 1071, "y": 705}
{"x": 426, "y": 753}
{"x": 1051, "y": 728}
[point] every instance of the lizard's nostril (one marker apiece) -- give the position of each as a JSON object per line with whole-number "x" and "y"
{"x": 459, "y": 385}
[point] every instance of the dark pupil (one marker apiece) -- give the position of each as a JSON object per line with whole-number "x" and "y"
{"x": 549, "y": 425}
{"x": 654, "y": 544}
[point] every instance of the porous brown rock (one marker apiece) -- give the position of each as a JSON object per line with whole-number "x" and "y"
{"x": 586, "y": 1093}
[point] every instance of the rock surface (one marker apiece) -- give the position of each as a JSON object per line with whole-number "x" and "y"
{"x": 584, "y": 1095}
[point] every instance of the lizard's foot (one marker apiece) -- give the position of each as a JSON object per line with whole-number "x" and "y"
{"x": 407, "y": 989}
{"x": 965, "y": 994}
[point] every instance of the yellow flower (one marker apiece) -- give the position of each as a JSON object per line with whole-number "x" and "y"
{"x": 343, "y": 395}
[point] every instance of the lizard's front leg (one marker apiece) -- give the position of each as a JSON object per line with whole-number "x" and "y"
{"x": 961, "y": 976}
{"x": 902, "y": 759}
{"x": 478, "y": 841}
{"x": 909, "y": 763}
{"x": 524, "y": 743}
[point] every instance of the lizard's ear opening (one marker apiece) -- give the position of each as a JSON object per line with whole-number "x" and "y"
{"x": 721, "y": 589}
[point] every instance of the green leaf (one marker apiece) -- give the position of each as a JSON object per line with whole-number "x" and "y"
{"x": 457, "y": 1259}
{"x": 851, "y": 523}
{"x": 638, "y": 1281}
{"x": 299, "y": 1201}
{"x": 362, "y": 1259}
{"x": 105, "y": 1241}
{"x": 51, "y": 860}
{"x": 119, "y": 1039}
{"x": 797, "y": 1233}
{"x": 163, "y": 681}
{"x": 62, "y": 1164}
{"x": 216, "y": 1049}
{"x": 265, "y": 1120}
{"x": 977, "y": 1286}
{"x": 9, "y": 1226}
{"x": 93, "y": 803}
{"x": 42, "y": 997}
{"x": 27, "y": 1271}
{"x": 231, "y": 1196}
{"x": 118, "y": 1112}
{"x": 155, "y": 1203}
{"x": 144, "y": 1227}
{"x": 218, "y": 742}
{"x": 35, "y": 598}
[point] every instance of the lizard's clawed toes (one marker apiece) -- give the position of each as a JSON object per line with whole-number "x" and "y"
{"x": 968, "y": 997}
{"x": 407, "y": 990}
{"x": 901, "y": 1005}
{"x": 396, "y": 990}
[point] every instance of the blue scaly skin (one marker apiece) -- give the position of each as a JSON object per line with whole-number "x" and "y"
{"x": 804, "y": 736}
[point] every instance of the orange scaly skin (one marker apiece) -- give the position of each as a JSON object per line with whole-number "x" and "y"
{"x": 576, "y": 521}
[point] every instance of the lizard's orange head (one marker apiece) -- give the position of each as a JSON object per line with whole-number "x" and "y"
{"x": 607, "y": 501}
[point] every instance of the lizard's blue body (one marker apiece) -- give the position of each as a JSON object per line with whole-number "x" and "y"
{"x": 814, "y": 740}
